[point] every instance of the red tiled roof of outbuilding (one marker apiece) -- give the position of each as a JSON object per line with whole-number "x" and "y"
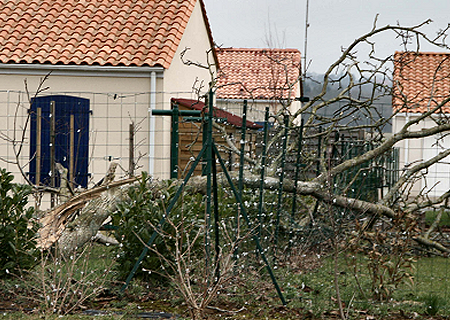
{"x": 93, "y": 32}
{"x": 258, "y": 73}
{"x": 421, "y": 81}
{"x": 231, "y": 119}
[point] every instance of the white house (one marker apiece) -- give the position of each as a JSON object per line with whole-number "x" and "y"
{"x": 421, "y": 82}
{"x": 110, "y": 62}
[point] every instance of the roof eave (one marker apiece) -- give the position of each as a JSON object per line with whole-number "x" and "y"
{"x": 209, "y": 31}
{"x": 79, "y": 70}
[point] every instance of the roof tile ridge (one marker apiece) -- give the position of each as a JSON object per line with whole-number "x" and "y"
{"x": 114, "y": 56}
{"x": 422, "y": 52}
{"x": 101, "y": 33}
{"x": 15, "y": 16}
{"x": 163, "y": 62}
{"x": 27, "y": 17}
{"x": 7, "y": 7}
{"x": 257, "y": 49}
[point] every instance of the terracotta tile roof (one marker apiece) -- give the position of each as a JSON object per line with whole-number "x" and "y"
{"x": 421, "y": 81}
{"x": 231, "y": 119}
{"x": 257, "y": 73}
{"x": 93, "y": 32}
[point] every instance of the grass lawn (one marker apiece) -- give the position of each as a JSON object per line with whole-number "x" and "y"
{"x": 307, "y": 283}
{"x": 430, "y": 216}
{"x": 427, "y": 287}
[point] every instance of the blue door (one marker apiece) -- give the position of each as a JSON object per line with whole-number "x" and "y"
{"x": 71, "y": 149}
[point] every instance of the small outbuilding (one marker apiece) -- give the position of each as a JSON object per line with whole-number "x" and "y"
{"x": 228, "y": 129}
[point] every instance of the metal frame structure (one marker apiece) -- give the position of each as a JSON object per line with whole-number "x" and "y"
{"x": 209, "y": 153}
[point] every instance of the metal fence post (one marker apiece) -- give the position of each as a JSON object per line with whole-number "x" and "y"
{"x": 174, "y": 143}
{"x": 242, "y": 142}
{"x": 280, "y": 190}
{"x": 298, "y": 165}
{"x": 263, "y": 171}
{"x": 216, "y": 219}
{"x": 208, "y": 167}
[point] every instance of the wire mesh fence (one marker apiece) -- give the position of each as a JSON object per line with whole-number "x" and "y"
{"x": 121, "y": 128}
{"x": 118, "y": 127}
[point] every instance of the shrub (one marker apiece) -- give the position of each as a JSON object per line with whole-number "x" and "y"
{"x": 137, "y": 218}
{"x": 17, "y": 230}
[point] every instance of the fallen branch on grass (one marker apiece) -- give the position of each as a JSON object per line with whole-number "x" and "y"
{"x": 95, "y": 205}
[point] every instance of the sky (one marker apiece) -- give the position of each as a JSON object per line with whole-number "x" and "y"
{"x": 333, "y": 24}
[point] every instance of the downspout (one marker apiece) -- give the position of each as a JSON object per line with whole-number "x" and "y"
{"x": 406, "y": 144}
{"x": 151, "y": 126}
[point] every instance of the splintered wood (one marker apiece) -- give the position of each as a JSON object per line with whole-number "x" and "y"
{"x": 55, "y": 220}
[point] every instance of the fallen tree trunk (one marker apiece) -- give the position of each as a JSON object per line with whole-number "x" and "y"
{"x": 91, "y": 218}
{"x": 306, "y": 188}
{"x": 431, "y": 244}
{"x": 95, "y": 206}
{"x": 54, "y": 222}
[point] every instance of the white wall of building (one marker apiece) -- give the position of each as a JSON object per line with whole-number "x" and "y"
{"x": 436, "y": 179}
{"x": 118, "y": 96}
{"x": 115, "y": 102}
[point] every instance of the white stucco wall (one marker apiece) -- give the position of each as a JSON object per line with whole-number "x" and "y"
{"x": 436, "y": 179}
{"x": 115, "y": 102}
{"x": 117, "y": 98}
{"x": 180, "y": 78}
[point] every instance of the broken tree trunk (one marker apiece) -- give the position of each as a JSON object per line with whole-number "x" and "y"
{"x": 89, "y": 221}
{"x": 93, "y": 205}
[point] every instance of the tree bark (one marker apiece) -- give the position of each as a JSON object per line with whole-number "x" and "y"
{"x": 90, "y": 220}
{"x": 306, "y": 188}
{"x": 97, "y": 204}
{"x": 54, "y": 222}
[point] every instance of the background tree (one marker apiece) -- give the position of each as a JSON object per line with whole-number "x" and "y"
{"x": 359, "y": 81}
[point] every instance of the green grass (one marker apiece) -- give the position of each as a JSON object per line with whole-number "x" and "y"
{"x": 308, "y": 287}
{"x": 430, "y": 216}
{"x": 315, "y": 291}
{"x": 432, "y": 278}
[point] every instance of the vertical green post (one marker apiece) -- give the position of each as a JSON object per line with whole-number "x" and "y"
{"x": 319, "y": 154}
{"x": 216, "y": 219}
{"x": 334, "y": 158}
{"x": 241, "y": 158}
{"x": 263, "y": 171}
{"x": 205, "y": 135}
{"x": 319, "y": 151}
{"x": 209, "y": 150}
{"x": 296, "y": 177}
{"x": 241, "y": 164}
{"x": 280, "y": 190}
{"x": 174, "y": 143}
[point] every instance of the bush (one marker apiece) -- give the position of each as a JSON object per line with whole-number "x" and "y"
{"x": 17, "y": 230}
{"x": 137, "y": 218}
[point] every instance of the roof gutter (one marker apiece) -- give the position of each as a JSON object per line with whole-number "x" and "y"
{"x": 79, "y": 70}
{"x": 240, "y": 100}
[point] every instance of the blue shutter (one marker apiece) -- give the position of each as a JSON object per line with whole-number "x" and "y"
{"x": 65, "y": 106}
